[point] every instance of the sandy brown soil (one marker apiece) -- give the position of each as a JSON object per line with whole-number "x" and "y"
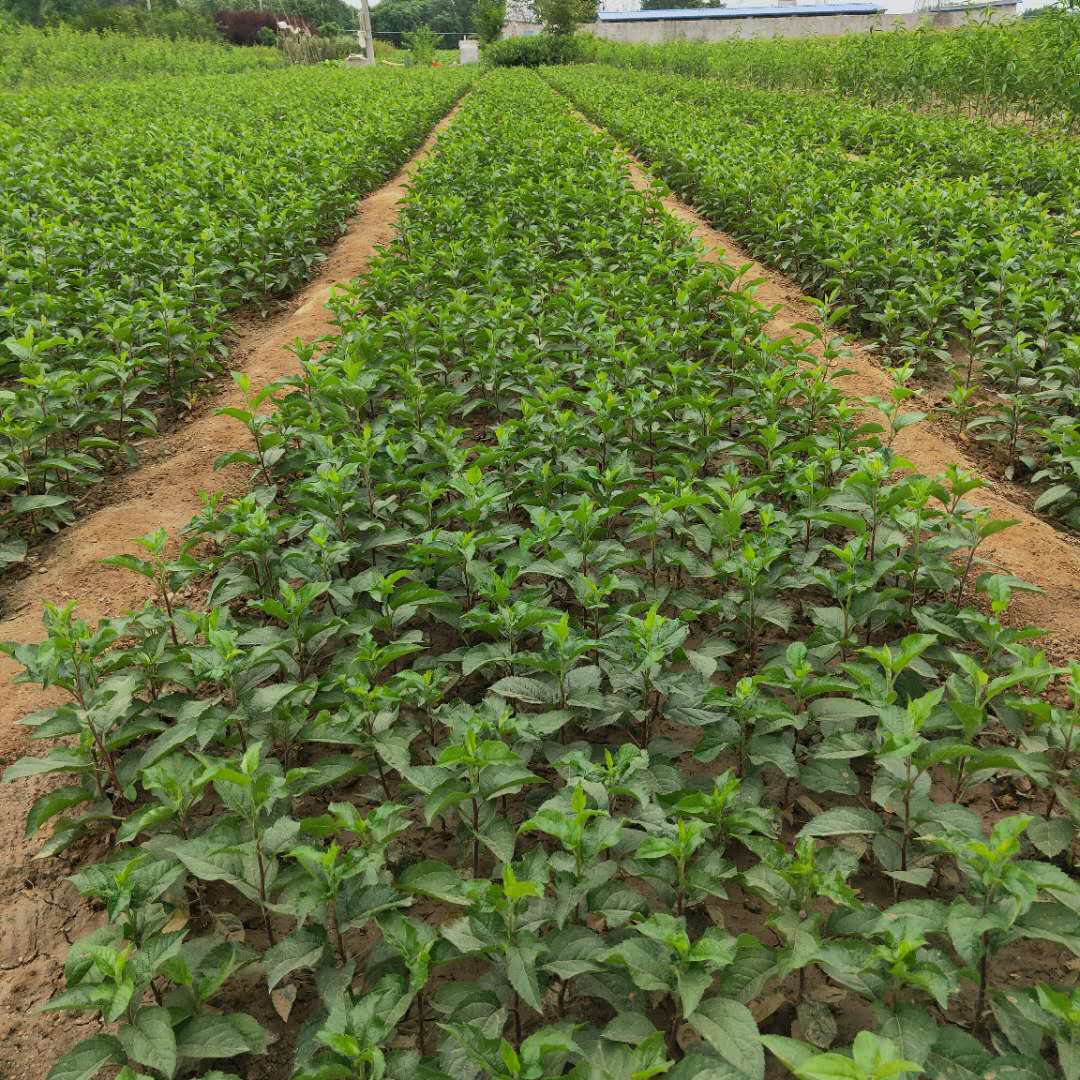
{"x": 1032, "y": 549}
{"x": 40, "y": 913}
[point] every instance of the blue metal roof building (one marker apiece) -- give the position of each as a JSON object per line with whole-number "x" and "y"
{"x": 782, "y": 11}
{"x": 785, "y": 11}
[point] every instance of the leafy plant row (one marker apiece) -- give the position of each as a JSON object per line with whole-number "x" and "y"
{"x": 1021, "y": 70}
{"x": 577, "y": 677}
{"x": 57, "y": 55}
{"x": 951, "y": 244}
{"x": 134, "y": 217}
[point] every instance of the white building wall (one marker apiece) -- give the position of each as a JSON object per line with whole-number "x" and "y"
{"x": 892, "y": 7}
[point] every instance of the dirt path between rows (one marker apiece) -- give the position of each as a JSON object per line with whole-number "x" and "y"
{"x": 40, "y": 913}
{"x": 1032, "y": 549}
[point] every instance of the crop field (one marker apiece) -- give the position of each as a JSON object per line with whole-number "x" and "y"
{"x": 1025, "y": 69}
{"x": 134, "y": 218}
{"x": 579, "y": 684}
{"x": 952, "y": 245}
{"x": 31, "y": 57}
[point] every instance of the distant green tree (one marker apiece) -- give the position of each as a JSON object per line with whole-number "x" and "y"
{"x": 421, "y": 43}
{"x": 488, "y": 19}
{"x": 396, "y": 17}
{"x": 171, "y": 18}
{"x": 327, "y": 16}
{"x": 161, "y": 18}
{"x": 564, "y": 16}
{"x": 40, "y": 12}
{"x": 399, "y": 16}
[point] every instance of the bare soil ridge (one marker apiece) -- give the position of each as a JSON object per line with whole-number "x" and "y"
{"x": 41, "y": 913}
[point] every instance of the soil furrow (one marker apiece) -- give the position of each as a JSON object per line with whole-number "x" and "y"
{"x": 41, "y": 912}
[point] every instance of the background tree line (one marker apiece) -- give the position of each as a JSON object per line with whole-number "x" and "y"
{"x": 171, "y": 18}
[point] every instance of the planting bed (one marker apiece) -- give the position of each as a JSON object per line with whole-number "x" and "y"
{"x": 135, "y": 216}
{"x": 1017, "y": 71}
{"x": 43, "y": 912}
{"x": 952, "y": 244}
{"x": 581, "y": 690}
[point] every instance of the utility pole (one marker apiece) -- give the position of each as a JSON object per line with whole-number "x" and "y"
{"x": 365, "y": 23}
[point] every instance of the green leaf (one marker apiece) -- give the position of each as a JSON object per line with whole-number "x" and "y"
{"x": 85, "y": 995}
{"x": 521, "y": 971}
{"x": 24, "y": 504}
{"x": 88, "y": 1058}
{"x": 830, "y": 1067}
{"x": 629, "y": 1027}
{"x": 532, "y": 691}
{"x": 430, "y": 877}
{"x": 912, "y": 1029}
{"x": 130, "y": 562}
{"x": 617, "y": 903}
{"x": 1052, "y": 837}
{"x": 1068, "y": 1050}
{"x": 58, "y": 760}
{"x": 12, "y": 551}
{"x": 841, "y": 709}
{"x": 303, "y": 948}
{"x": 478, "y": 656}
{"x": 220, "y": 1035}
{"x": 143, "y": 819}
{"x": 1052, "y": 495}
{"x": 209, "y": 864}
{"x": 957, "y": 1056}
{"x": 907, "y": 419}
{"x": 359, "y": 905}
{"x": 921, "y": 877}
{"x": 729, "y": 1027}
{"x": 55, "y": 802}
{"x": 499, "y": 838}
{"x": 1015, "y": 1022}
{"x": 1051, "y": 922}
{"x": 792, "y": 1053}
{"x": 644, "y": 962}
{"x": 128, "y": 1073}
{"x": 842, "y": 821}
{"x": 691, "y": 985}
{"x": 149, "y": 1040}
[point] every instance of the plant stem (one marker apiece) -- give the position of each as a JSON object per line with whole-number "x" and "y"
{"x": 420, "y": 1022}
{"x": 984, "y": 982}
{"x": 476, "y": 838}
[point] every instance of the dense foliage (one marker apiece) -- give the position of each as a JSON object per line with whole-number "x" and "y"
{"x": 562, "y": 17}
{"x": 488, "y": 19}
{"x": 450, "y": 18}
{"x": 555, "y": 578}
{"x": 328, "y": 17}
{"x": 175, "y": 23}
{"x": 951, "y": 243}
{"x": 135, "y": 215}
{"x": 168, "y": 18}
{"x": 537, "y": 50}
{"x": 30, "y": 57}
{"x": 1027, "y": 67}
